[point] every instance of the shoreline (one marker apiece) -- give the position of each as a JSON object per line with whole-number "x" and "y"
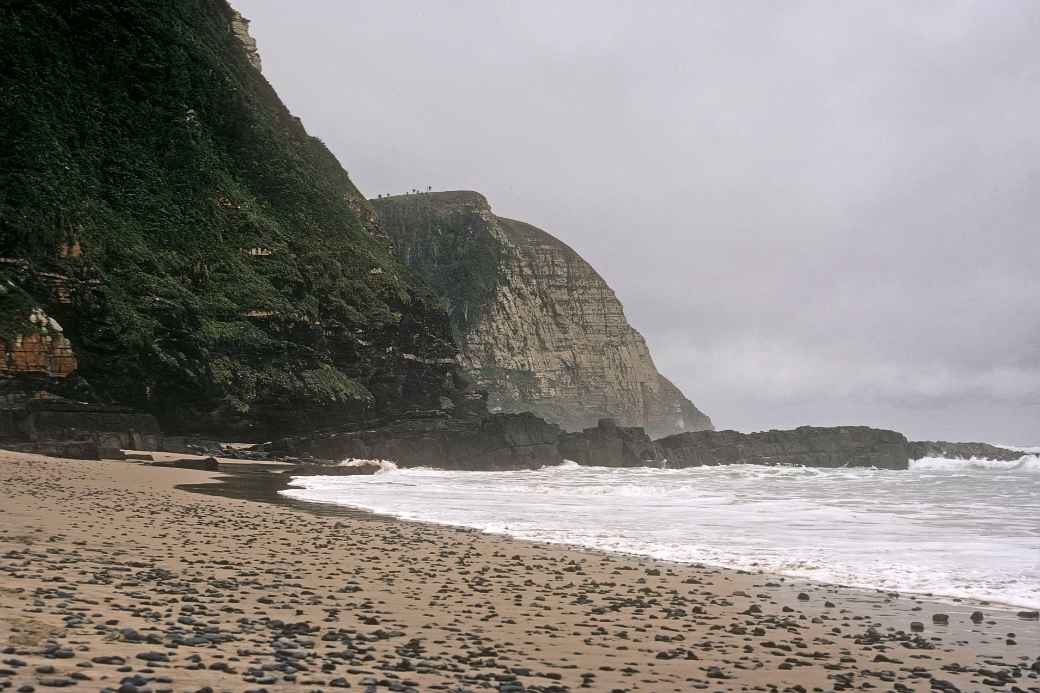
{"x": 280, "y": 598}
{"x": 233, "y": 477}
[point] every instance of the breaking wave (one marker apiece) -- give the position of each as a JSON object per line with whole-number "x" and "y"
{"x": 384, "y": 465}
{"x": 1028, "y": 464}
{"x": 954, "y": 528}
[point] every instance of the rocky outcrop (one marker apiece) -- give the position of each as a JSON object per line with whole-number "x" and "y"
{"x": 610, "y": 445}
{"x": 240, "y": 28}
{"x": 112, "y": 426}
{"x": 39, "y": 348}
{"x": 961, "y": 451}
{"x": 497, "y": 442}
{"x": 35, "y": 420}
{"x": 523, "y": 441}
{"x": 539, "y": 328}
{"x": 206, "y": 464}
{"x": 73, "y": 449}
{"x": 839, "y": 446}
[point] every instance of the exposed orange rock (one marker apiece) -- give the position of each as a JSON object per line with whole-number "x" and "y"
{"x": 38, "y": 353}
{"x": 44, "y": 350}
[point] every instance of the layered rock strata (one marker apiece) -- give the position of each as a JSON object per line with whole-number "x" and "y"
{"x": 240, "y": 28}
{"x": 538, "y": 327}
{"x": 40, "y": 348}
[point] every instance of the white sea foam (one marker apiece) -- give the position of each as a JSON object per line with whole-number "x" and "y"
{"x": 957, "y": 528}
{"x": 1027, "y": 464}
{"x": 384, "y": 465}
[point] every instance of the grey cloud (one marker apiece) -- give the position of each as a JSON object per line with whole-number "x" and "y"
{"x": 816, "y": 212}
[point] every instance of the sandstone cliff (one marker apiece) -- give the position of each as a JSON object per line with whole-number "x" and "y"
{"x": 538, "y": 327}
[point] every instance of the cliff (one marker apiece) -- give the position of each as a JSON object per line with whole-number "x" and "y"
{"x": 538, "y": 327}
{"x": 171, "y": 236}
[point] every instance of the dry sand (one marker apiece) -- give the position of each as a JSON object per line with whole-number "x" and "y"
{"x": 110, "y": 577}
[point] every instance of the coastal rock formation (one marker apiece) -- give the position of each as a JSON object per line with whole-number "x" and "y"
{"x": 539, "y": 328}
{"x": 839, "y": 446}
{"x": 523, "y": 441}
{"x": 499, "y": 441}
{"x": 610, "y": 445}
{"x": 208, "y": 261}
{"x": 112, "y": 427}
{"x": 961, "y": 451}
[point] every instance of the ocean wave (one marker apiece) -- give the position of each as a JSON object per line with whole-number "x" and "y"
{"x": 563, "y": 466}
{"x": 1027, "y": 464}
{"x": 959, "y": 528}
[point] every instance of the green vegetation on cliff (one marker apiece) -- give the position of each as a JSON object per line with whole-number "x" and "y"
{"x": 444, "y": 241}
{"x": 220, "y": 264}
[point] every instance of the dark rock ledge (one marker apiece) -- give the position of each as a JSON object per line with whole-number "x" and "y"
{"x": 475, "y": 441}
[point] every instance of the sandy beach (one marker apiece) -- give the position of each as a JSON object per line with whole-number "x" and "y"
{"x": 111, "y": 577}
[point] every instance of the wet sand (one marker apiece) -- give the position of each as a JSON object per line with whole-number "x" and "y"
{"x": 120, "y": 576}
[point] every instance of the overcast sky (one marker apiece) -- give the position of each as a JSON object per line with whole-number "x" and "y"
{"x": 816, "y": 212}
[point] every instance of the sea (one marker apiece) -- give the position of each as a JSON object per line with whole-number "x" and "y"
{"x": 951, "y": 529}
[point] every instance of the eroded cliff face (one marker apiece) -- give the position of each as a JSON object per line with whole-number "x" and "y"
{"x": 240, "y": 28}
{"x": 538, "y": 327}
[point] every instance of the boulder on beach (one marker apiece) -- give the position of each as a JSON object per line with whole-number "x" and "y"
{"x": 207, "y": 464}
